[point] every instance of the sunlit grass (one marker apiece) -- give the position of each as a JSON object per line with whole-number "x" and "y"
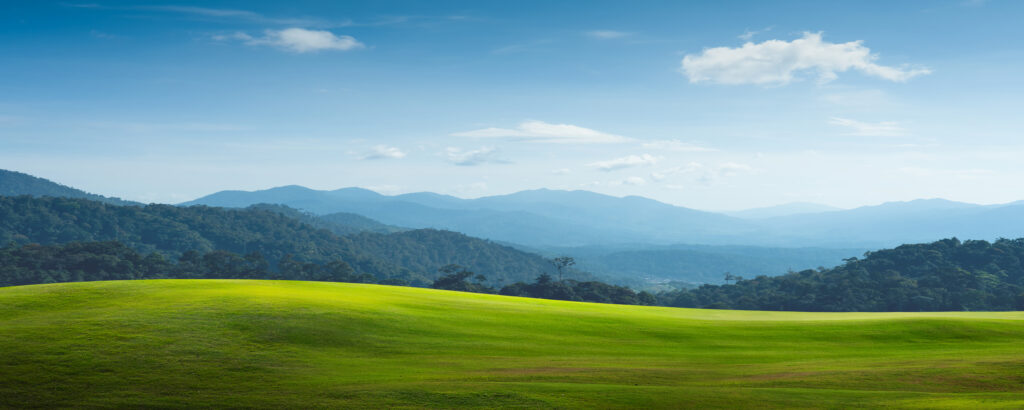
{"x": 304, "y": 344}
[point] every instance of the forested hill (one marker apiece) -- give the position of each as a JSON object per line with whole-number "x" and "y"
{"x": 412, "y": 257}
{"x": 14, "y": 183}
{"x": 341, "y": 223}
{"x": 947, "y": 275}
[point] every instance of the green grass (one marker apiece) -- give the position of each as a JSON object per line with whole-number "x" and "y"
{"x": 280, "y": 344}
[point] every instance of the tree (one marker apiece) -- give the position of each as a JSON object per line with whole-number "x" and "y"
{"x": 562, "y": 263}
{"x": 454, "y": 278}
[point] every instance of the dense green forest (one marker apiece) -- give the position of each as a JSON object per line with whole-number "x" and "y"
{"x": 90, "y": 261}
{"x": 409, "y": 256}
{"x": 341, "y": 223}
{"x": 457, "y": 277}
{"x": 946, "y": 275}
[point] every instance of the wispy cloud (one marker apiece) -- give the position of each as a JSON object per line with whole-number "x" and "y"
{"x": 218, "y": 14}
{"x": 625, "y": 162}
{"x": 479, "y": 156}
{"x": 701, "y": 173}
{"x": 521, "y": 47}
{"x": 297, "y": 40}
{"x": 675, "y": 146}
{"x": 383, "y": 152}
{"x": 151, "y": 127}
{"x": 606, "y": 34}
{"x": 539, "y": 131}
{"x": 633, "y": 181}
{"x": 869, "y": 129}
{"x": 689, "y": 168}
{"x": 778, "y": 62}
{"x": 749, "y": 34}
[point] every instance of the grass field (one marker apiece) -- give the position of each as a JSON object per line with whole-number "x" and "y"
{"x": 283, "y": 344}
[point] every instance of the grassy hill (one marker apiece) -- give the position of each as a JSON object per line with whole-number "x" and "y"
{"x": 275, "y": 344}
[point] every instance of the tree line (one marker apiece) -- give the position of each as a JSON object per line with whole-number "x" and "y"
{"x": 946, "y": 275}
{"x": 92, "y": 261}
{"x": 457, "y": 277}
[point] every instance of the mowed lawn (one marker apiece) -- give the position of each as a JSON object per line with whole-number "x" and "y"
{"x": 280, "y": 344}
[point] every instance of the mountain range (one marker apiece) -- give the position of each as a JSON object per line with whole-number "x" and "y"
{"x": 633, "y": 239}
{"x": 553, "y": 218}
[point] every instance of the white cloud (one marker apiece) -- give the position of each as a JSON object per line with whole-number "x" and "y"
{"x": 869, "y": 129}
{"x": 625, "y": 162}
{"x": 299, "y": 40}
{"x": 675, "y": 146}
{"x": 606, "y": 34}
{"x": 561, "y": 171}
{"x": 483, "y": 155}
{"x": 384, "y": 152}
{"x": 777, "y": 62}
{"x": 539, "y": 131}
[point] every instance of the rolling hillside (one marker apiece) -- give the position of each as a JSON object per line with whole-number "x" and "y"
{"x": 269, "y": 344}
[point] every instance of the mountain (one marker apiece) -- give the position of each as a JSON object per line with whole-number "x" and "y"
{"x": 539, "y": 217}
{"x": 545, "y": 218}
{"x": 14, "y": 183}
{"x": 696, "y": 264}
{"x": 410, "y": 256}
{"x": 793, "y": 208}
{"x": 341, "y": 223}
{"x": 895, "y": 223}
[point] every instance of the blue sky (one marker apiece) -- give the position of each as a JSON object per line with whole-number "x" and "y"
{"x": 714, "y": 105}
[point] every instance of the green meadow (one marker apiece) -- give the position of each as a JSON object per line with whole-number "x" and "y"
{"x": 280, "y": 344}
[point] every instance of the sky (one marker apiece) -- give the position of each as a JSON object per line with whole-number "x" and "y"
{"x": 709, "y": 105}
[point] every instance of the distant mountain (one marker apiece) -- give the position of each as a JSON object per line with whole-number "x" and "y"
{"x": 538, "y": 217}
{"x": 696, "y": 264}
{"x": 793, "y": 208}
{"x": 895, "y": 223}
{"x": 13, "y": 183}
{"x": 550, "y": 218}
{"x": 341, "y": 223}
